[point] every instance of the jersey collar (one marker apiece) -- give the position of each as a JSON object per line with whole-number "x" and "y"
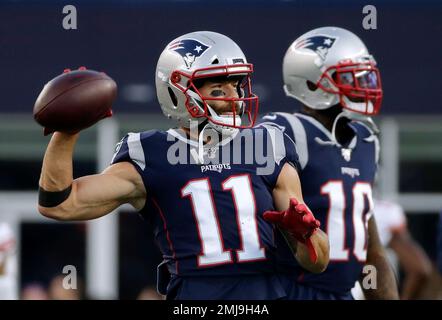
{"x": 327, "y": 133}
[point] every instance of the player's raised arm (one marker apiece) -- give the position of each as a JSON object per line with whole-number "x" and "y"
{"x": 89, "y": 197}
{"x": 67, "y": 104}
{"x": 300, "y": 228}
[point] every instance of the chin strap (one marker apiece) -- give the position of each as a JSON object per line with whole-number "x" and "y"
{"x": 369, "y": 121}
{"x": 333, "y": 141}
{"x": 201, "y": 143}
{"x": 220, "y": 136}
{"x": 339, "y": 116}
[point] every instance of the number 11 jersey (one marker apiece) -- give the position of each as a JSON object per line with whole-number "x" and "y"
{"x": 207, "y": 215}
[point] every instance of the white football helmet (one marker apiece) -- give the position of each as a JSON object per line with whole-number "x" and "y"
{"x": 196, "y": 56}
{"x": 329, "y": 66}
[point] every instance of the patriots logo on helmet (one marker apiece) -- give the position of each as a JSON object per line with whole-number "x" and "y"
{"x": 319, "y": 44}
{"x": 189, "y": 49}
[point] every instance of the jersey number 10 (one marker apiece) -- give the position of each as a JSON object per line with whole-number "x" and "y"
{"x": 336, "y": 228}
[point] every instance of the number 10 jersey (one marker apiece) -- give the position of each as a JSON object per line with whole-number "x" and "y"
{"x": 337, "y": 186}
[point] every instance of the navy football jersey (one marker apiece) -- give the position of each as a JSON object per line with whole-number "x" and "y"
{"x": 207, "y": 213}
{"x": 337, "y": 186}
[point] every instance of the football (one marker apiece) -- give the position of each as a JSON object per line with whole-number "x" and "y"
{"x": 75, "y": 100}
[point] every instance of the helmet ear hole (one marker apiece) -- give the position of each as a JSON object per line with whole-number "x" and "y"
{"x": 172, "y": 97}
{"x": 311, "y": 85}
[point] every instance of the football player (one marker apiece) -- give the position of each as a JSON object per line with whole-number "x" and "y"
{"x": 330, "y": 71}
{"x": 208, "y": 216}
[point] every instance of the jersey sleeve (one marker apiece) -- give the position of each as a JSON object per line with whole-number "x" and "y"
{"x": 291, "y": 154}
{"x": 279, "y": 120}
{"x": 130, "y": 149}
{"x": 293, "y": 127}
{"x": 283, "y": 151}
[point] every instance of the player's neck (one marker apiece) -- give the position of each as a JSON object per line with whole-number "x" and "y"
{"x": 327, "y": 117}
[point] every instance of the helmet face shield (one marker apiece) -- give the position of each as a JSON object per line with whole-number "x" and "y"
{"x": 239, "y": 111}
{"x": 358, "y": 85}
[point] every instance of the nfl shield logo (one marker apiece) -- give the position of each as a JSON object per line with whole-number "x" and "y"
{"x": 346, "y": 154}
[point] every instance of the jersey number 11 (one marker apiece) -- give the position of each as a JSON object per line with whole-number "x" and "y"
{"x": 207, "y": 222}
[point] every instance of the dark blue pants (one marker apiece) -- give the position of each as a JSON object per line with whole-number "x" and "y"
{"x": 244, "y": 287}
{"x": 298, "y": 291}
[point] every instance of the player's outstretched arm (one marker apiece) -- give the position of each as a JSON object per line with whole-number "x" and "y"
{"x": 91, "y": 196}
{"x": 288, "y": 186}
{"x": 386, "y": 282}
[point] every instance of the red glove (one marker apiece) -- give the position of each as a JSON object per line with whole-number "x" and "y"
{"x": 299, "y": 221}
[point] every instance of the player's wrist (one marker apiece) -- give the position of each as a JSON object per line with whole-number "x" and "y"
{"x": 302, "y": 236}
{"x": 68, "y": 135}
{"x": 48, "y": 131}
{"x": 65, "y": 137}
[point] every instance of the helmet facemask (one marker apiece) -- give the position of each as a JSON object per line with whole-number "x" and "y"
{"x": 244, "y": 108}
{"x": 357, "y": 84}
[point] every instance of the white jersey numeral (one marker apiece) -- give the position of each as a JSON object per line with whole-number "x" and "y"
{"x": 336, "y": 228}
{"x": 361, "y": 190}
{"x": 336, "y": 220}
{"x": 206, "y": 218}
{"x": 245, "y": 207}
{"x": 207, "y": 221}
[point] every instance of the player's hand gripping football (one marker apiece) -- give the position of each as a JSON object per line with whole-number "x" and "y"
{"x": 299, "y": 221}
{"x": 75, "y": 100}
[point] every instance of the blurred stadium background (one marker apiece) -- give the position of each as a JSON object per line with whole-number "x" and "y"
{"x": 115, "y": 256}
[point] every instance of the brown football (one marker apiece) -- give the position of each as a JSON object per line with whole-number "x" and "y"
{"x": 75, "y": 100}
